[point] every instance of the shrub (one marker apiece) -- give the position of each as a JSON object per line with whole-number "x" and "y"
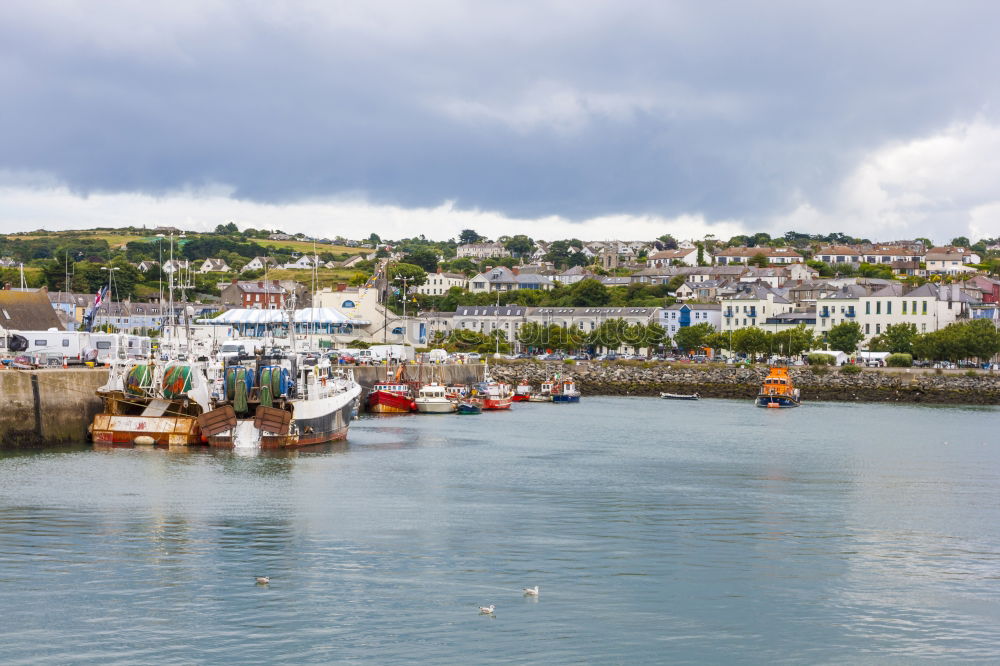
{"x": 819, "y": 369}
{"x": 850, "y": 369}
{"x": 971, "y": 373}
{"x": 569, "y": 361}
{"x": 899, "y": 361}
{"x": 822, "y": 359}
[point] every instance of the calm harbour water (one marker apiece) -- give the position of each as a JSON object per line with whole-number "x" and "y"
{"x": 658, "y": 532}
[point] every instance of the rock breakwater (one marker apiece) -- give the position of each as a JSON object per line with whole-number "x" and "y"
{"x": 714, "y": 381}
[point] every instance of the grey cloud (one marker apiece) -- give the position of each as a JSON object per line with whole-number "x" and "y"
{"x": 666, "y": 108}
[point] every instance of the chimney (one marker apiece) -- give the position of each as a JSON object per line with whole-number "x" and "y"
{"x": 234, "y": 280}
{"x": 260, "y": 284}
{"x": 515, "y": 271}
{"x": 341, "y": 286}
{"x": 277, "y": 283}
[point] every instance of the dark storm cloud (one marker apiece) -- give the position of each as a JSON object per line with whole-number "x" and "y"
{"x": 571, "y": 109}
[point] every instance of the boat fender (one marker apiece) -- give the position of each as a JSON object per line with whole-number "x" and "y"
{"x": 144, "y": 440}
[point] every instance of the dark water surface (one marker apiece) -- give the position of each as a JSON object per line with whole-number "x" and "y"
{"x": 658, "y": 532}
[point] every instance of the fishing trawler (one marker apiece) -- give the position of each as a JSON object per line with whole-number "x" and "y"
{"x": 149, "y": 403}
{"x": 283, "y": 402}
{"x": 777, "y": 390}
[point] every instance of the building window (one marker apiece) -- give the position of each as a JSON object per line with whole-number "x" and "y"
{"x": 904, "y": 307}
{"x": 868, "y": 307}
{"x": 914, "y": 307}
{"x": 924, "y": 308}
{"x": 868, "y": 329}
{"x": 888, "y": 307}
{"x": 878, "y": 307}
{"x": 878, "y": 328}
{"x": 347, "y": 304}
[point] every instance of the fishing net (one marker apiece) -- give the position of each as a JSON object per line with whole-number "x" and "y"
{"x": 176, "y": 381}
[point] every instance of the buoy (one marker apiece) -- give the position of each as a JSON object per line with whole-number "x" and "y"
{"x": 144, "y": 440}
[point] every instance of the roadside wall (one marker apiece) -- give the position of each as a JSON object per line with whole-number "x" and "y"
{"x": 710, "y": 381}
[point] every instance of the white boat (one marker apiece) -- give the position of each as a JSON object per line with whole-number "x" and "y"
{"x": 433, "y": 399}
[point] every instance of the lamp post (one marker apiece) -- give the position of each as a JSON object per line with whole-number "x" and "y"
{"x": 111, "y": 271}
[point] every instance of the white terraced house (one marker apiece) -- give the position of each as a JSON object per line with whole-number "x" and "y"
{"x": 838, "y": 254}
{"x": 929, "y": 307}
{"x": 742, "y": 255}
{"x": 751, "y": 307}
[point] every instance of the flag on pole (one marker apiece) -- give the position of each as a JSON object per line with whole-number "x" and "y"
{"x": 102, "y": 293}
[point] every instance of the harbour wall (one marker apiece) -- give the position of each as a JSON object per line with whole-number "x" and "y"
{"x": 55, "y": 406}
{"x": 713, "y": 381}
{"x": 48, "y": 406}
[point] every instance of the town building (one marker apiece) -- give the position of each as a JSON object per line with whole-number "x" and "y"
{"x": 751, "y": 306}
{"x": 950, "y": 260}
{"x": 680, "y": 315}
{"x": 262, "y": 295}
{"x": 743, "y": 255}
{"x": 681, "y": 256}
{"x": 502, "y": 278}
{"x": 439, "y": 283}
{"x": 214, "y": 266}
{"x": 480, "y": 251}
{"x": 260, "y": 263}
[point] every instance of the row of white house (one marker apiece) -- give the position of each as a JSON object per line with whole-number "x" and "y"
{"x": 928, "y": 307}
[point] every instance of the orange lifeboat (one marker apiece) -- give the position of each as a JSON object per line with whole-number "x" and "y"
{"x": 777, "y": 390}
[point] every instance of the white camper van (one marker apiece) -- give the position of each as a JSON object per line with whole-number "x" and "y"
{"x": 51, "y": 347}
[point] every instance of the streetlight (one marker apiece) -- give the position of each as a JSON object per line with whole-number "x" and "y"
{"x": 111, "y": 272}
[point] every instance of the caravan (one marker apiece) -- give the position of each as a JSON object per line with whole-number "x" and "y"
{"x": 51, "y": 347}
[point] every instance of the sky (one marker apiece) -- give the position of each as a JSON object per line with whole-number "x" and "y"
{"x": 552, "y": 118}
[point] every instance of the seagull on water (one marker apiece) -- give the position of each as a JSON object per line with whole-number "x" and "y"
{"x": 530, "y": 591}
{"x": 487, "y": 610}
{"x": 263, "y": 580}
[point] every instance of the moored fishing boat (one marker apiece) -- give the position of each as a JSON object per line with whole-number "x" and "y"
{"x": 151, "y": 404}
{"x": 391, "y": 396}
{"x": 493, "y": 394}
{"x": 433, "y": 399}
{"x": 522, "y": 392}
{"x": 544, "y": 393}
{"x": 565, "y": 390}
{"x": 777, "y": 390}
{"x": 469, "y": 407}
{"x": 280, "y": 403}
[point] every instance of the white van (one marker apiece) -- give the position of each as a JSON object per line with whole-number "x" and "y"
{"x": 437, "y": 356}
{"x": 235, "y": 350}
{"x": 109, "y": 346}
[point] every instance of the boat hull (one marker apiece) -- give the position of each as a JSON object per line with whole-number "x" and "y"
{"x": 435, "y": 407}
{"x": 468, "y": 408}
{"x": 565, "y": 398}
{"x": 314, "y": 422}
{"x": 520, "y": 397}
{"x": 384, "y": 402}
{"x": 114, "y": 430}
{"x": 496, "y": 403}
{"x": 540, "y": 398}
{"x": 776, "y": 401}
{"x": 677, "y": 396}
